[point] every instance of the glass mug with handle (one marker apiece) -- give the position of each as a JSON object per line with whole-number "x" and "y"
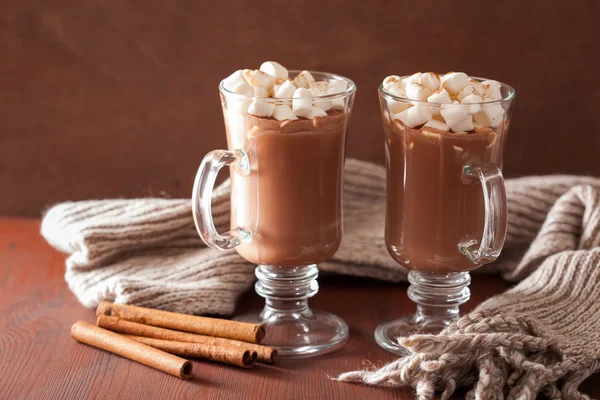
{"x": 446, "y": 208}
{"x": 286, "y": 206}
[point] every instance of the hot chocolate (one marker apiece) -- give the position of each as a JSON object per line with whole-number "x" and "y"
{"x": 292, "y": 131}
{"x": 430, "y": 209}
{"x": 446, "y": 200}
{"x": 291, "y": 200}
{"x": 286, "y": 134}
{"x": 435, "y": 127}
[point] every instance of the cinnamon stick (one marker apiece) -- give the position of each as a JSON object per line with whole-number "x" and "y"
{"x": 233, "y": 355}
{"x": 217, "y": 327}
{"x": 264, "y": 354}
{"x": 118, "y": 344}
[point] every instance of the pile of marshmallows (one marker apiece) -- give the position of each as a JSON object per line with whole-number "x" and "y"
{"x": 291, "y": 98}
{"x": 458, "y": 101}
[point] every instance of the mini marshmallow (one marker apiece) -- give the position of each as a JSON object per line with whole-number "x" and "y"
{"x": 413, "y": 78}
{"x": 473, "y": 99}
{"x": 478, "y": 86}
{"x": 435, "y": 124}
{"x": 430, "y": 134}
{"x": 397, "y": 91}
{"x": 457, "y": 118}
{"x": 324, "y": 105}
{"x": 247, "y": 74}
{"x": 276, "y": 85}
{"x": 490, "y": 115}
{"x": 302, "y": 103}
{"x": 396, "y": 107}
{"x": 434, "y": 136}
{"x": 258, "y": 78}
{"x": 430, "y": 80}
{"x": 320, "y": 89}
{"x": 467, "y": 91}
{"x": 233, "y": 79}
{"x": 317, "y": 112}
{"x": 243, "y": 88}
{"x": 465, "y": 125}
{"x": 416, "y": 91}
{"x": 402, "y": 116}
{"x": 240, "y": 105}
{"x": 303, "y": 80}
{"x": 260, "y": 92}
{"x": 415, "y": 116}
{"x": 281, "y": 113}
{"x": 440, "y": 96}
{"x": 337, "y": 86}
{"x": 390, "y": 81}
{"x": 338, "y": 103}
{"x": 274, "y": 69}
{"x": 285, "y": 91}
{"x": 454, "y": 82}
{"x": 261, "y": 108}
{"x": 491, "y": 90}
{"x": 419, "y": 114}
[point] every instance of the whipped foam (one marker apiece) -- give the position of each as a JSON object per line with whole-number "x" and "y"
{"x": 456, "y": 101}
{"x": 270, "y": 92}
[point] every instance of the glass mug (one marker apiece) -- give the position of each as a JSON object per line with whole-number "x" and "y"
{"x": 286, "y": 210}
{"x": 446, "y": 207}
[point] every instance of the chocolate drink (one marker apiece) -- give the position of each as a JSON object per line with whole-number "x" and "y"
{"x": 430, "y": 208}
{"x": 291, "y": 200}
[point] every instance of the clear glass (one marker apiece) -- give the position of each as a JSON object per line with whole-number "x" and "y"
{"x": 446, "y": 205}
{"x": 286, "y": 210}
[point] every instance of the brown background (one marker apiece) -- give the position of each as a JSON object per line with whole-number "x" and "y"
{"x": 111, "y": 98}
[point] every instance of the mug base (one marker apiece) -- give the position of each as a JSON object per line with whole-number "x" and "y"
{"x": 387, "y": 334}
{"x": 300, "y": 334}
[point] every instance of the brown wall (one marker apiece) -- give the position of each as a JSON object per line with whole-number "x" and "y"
{"x": 119, "y": 98}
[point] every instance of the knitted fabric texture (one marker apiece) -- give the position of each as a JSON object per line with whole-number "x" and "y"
{"x": 542, "y": 335}
{"x": 147, "y": 251}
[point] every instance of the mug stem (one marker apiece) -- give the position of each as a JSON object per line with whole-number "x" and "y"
{"x": 291, "y": 326}
{"x": 438, "y": 297}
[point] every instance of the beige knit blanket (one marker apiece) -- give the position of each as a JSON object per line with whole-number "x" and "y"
{"x": 541, "y": 336}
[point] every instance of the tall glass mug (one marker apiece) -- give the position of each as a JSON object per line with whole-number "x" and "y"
{"x": 286, "y": 209}
{"x": 446, "y": 202}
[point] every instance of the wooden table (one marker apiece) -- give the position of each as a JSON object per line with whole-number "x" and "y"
{"x": 39, "y": 360}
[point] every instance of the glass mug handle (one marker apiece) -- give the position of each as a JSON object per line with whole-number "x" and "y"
{"x": 202, "y": 195}
{"x": 495, "y": 219}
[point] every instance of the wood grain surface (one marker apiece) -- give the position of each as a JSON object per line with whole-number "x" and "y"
{"x": 39, "y": 360}
{"x": 105, "y": 98}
